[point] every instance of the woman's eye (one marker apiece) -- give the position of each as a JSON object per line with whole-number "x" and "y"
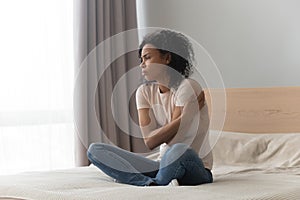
{"x": 145, "y": 58}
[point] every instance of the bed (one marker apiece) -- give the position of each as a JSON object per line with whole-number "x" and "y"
{"x": 257, "y": 156}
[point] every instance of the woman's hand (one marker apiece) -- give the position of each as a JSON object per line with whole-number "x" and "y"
{"x": 201, "y": 100}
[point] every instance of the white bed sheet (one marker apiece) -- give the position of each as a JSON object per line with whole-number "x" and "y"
{"x": 234, "y": 176}
{"x": 91, "y": 183}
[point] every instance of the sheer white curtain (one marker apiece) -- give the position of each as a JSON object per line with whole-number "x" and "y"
{"x": 36, "y": 85}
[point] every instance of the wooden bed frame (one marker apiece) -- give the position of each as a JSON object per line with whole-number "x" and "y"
{"x": 259, "y": 110}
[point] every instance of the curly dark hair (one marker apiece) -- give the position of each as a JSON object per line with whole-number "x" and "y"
{"x": 180, "y": 49}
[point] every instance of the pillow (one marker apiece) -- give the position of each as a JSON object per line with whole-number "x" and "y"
{"x": 257, "y": 150}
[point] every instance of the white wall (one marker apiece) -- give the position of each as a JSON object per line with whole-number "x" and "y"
{"x": 255, "y": 43}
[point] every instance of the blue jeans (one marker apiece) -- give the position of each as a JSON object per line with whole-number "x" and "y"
{"x": 131, "y": 168}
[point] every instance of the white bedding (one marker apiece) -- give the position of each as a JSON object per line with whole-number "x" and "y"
{"x": 265, "y": 166}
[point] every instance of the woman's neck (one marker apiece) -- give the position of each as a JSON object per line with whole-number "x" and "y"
{"x": 163, "y": 84}
{"x": 163, "y": 89}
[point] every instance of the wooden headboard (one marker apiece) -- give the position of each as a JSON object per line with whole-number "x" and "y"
{"x": 260, "y": 110}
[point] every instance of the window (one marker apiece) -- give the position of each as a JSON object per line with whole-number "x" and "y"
{"x": 36, "y": 85}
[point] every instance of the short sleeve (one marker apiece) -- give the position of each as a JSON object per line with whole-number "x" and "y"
{"x": 142, "y": 99}
{"x": 188, "y": 90}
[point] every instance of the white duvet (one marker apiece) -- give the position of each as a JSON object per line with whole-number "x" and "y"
{"x": 265, "y": 166}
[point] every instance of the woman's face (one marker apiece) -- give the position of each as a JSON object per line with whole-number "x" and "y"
{"x": 154, "y": 64}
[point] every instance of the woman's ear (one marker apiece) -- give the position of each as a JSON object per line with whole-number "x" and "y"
{"x": 168, "y": 58}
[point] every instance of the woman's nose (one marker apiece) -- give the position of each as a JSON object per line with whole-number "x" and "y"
{"x": 142, "y": 65}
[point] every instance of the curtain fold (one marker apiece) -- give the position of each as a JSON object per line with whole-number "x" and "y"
{"x": 94, "y": 22}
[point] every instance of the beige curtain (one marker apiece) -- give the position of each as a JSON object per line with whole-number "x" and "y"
{"x": 94, "y": 22}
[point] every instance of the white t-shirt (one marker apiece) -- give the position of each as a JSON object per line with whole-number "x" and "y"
{"x": 162, "y": 105}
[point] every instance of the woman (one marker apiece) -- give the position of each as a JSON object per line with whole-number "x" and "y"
{"x": 172, "y": 116}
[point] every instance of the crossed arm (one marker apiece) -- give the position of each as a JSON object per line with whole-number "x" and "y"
{"x": 154, "y": 136}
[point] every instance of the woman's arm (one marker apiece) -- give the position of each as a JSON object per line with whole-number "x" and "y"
{"x": 178, "y": 109}
{"x": 154, "y": 136}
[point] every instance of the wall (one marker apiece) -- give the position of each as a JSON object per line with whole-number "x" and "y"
{"x": 255, "y": 43}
